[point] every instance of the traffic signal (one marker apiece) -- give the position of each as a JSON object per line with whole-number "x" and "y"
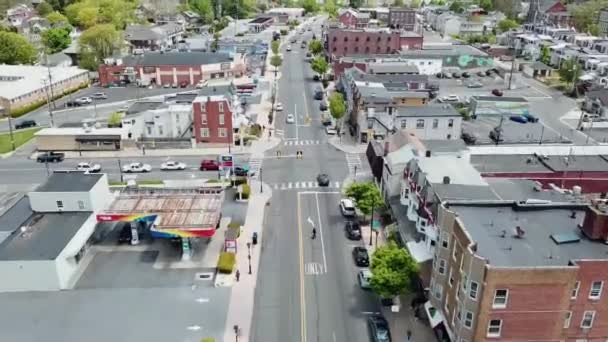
{"x": 278, "y": 154}
{"x": 299, "y": 155}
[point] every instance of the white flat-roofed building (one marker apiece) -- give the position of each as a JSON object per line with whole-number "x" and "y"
{"x": 27, "y": 85}
{"x": 82, "y": 138}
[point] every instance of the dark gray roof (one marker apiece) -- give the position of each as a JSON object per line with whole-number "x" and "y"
{"x": 431, "y": 110}
{"x": 182, "y": 97}
{"x": 44, "y": 238}
{"x": 600, "y": 94}
{"x": 142, "y": 106}
{"x": 442, "y": 146}
{"x": 223, "y": 89}
{"x": 576, "y": 163}
{"x": 540, "y": 66}
{"x": 523, "y": 189}
{"x": 177, "y": 58}
{"x": 499, "y": 99}
{"x": 69, "y": 182}
{"x": 141, "y": 32}
{"x": 508, "y": 163}
{"x": 14, "y": 216}
{"x": 388, "y": 79}
{"x": 463, "y": 192}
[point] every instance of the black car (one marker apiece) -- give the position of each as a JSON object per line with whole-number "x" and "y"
{"x": 323, "y": 179}
{"x": 378, "y": 329}
{"x": 316, "y": 78}
{"x": 240, "y": 171}
{"x": 323, "y": 106}
{"x": 466, "y": 75}
{"x": 25, "y": 124}
{"x": 73, "y": 104}
{"x": 353, "y": 230}
{"x": 360, "y": 256}
{"x": 50, "y": 157}
{"x": 125, "y": 233}
{"x": 318, "y": 95}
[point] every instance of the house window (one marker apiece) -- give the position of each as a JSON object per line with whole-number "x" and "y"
{"x": 149, "y": 129}
{"x": 494, "y": 327}
{"x": 451, "y": 123}
{"x": 574, "y": 292}
{"x": 403, "y": 123}
{"x": 81, "y": 205}
{"x": 435, "y": 123}
{"x": 160, "y": 130}
{"x": 567, "y": 319}
{"x": 596, "y": 290}
{"x": 587, "y": 321}
{"x": 438, "y": 291}
{"x": 451, "y": 278}
{"x": 345, "y": 39}
{"x": 445, "y": 240}
{"x": 222, "y": 132}
{"x": 468, "y": 319}
{"x": 203, "y": 119}
{"x": 203, "y": 109}
{"x": 454, "y": 251}
{"x": 356, "y": 49}
{"x": 473, "y": 288}
{"x": 204, "y": 132}
{"x": 221, "y": 119}
{"x": 420, "y": 123}
{"x": 220, "y": 107}
{"x": 59, "y": 204}
{"x": 441, "y": 268}
{"x": 500, "y": 299}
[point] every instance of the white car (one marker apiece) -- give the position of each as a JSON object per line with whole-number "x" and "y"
{"x": 201, "y": 84}
{"x": 450, "y": 98}
{"x": 330, "y": 130}
{"x": 99, "y": 96}
{"x": 364, "y": 277}
{"x": 288, "y": 48}
{"x": 278, "y": 107}
{"x": 172, "y": 165}
{"x": 137, "y": 167}
{"x": 83, "y": 100}
{"x": 290, "y": 119}
{"x": 88, "y": 167}
{"x": 347, "y": 207}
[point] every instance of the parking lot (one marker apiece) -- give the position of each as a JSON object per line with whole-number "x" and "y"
{"x": 512, "y": 132}
{"x": 460, "y": 87}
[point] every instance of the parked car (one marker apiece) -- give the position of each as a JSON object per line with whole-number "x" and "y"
{"x": 209, "y": 165}
{"x": 73, "y": 103}
{"x": 167, "y": 85}
{"x": 353, "y": 230}
{"x": 456, "y": 75}
{"x": 330, "y": 130}
{"x": 450, "y": 98}
{"x": 278, "y": 106}
{"x": 290, "y": 118}
{"x": 530, "y": 117}
{"x": 466, "y": 75}
{"x": 288, "y": 48}
{"x": 88, "y": 167}
{"x": 174, "y": 85}
{"x": 497, "y": 92}
{"x": 137, "y": 167}
{"x": 323, "y": 106}
{"x": 518, "y": 118}
{"x": 241, "y": 171}
{"x": 172, "y": 166}
{"x": 316, "y": 78}
{"x": 25, "y": 124}
{"x": 125, "y": 232}
{"x": 303, "y": 45}
{"x": 323, "y": 179}
{"x": 468, "y": 138}
{"x": 347, "y": 207}
{"x": 99, "y": 96}
{"x": 378, "y": 329}
{"x": 201, "y": 84}
{"x": 475, "y": 85}
{"x": 50, "y": 157}
{"x": 326, "y": 120}
{"x": 183, "y": 84}
{"x": 318, "y": 95}
{"x": 489, "y": 72}
{"x": 360, "y": 256}
{"x": 84, "y": 100}
{"x": 481, "y": 74}
{"x": 364, "y": 278}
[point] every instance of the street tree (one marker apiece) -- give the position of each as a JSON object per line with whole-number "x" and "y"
{"x": 398, "y": 3}
{"x": 315, "y": 47}
{"x": 44, "y": 8}
{"x": 216, "y": 41}
{"x": 415, "y": 3}
{"x": 310, "y": 6}
{"x": 457, "y": 7}
{"x": 366, "y": 196}
{"x": 115, "y": 119}
{"x": 330, "y": 8}
{"x": 101, "y": 40}
{"x": 56, "y": 19}
{"x": 337, "y": 106}
{"x": 320, "y": 66}
{"x": 274, "y": 46}
{"x": 355, "y": 3}
{"x": 507, "y": 25}
{"x": 393, "y": 271}
{"x": 569, "y": 71}
{"x": 276, "y": 62}
{"x": 56, "y": 39}
{"x": 204, "y": 8}
{"x": 545, "y": 55}
{"x": 15, "y": 49}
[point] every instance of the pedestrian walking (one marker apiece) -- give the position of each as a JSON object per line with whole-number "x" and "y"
{"x": 409, "y": 335}
{"x": 314, "y": 233}
{"x": 238, "y": 275}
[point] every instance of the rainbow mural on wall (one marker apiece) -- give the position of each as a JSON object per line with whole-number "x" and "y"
{"x": 155, "y": 231}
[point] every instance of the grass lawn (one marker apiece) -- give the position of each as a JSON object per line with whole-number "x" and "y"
{"x": 20, "y": 137}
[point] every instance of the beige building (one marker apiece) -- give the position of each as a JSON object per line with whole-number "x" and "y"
{"x": 26, "y": 85}
{"x": 83, "y": 139}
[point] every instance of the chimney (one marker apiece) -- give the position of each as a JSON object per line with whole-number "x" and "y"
{"x": 519, "y": 233}
{"x": 428, "y": 153}
{"x": 595, "y": 225}
{"x": 386, "y": 146}
{"x": 446, "y": 180}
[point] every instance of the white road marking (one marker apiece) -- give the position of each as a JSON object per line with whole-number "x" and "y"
{"x": 297, "y": 185}
{"x": 311, "y": 184}
{"x": 337, "y": 184}
{"x": 289, "y": 186}
{"x": 202, "y": 300}
{"x": 370, "y": 313}
{"x": 321, "y": 233}
{"x": 194, "y": 328}
{"x": 313, "y": 268}
{"x": 276, "y": 186}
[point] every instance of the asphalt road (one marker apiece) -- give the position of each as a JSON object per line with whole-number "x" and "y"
{"x": 307, "y": 289}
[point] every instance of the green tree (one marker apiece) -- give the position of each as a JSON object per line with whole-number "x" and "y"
{"x": 320, "y": 66}
{"x": 101, "y": 40}
{"x": 366, "y": 196}
{"x": 457, "y": 7}
{"x": 315, "y": 47}
{"x": 330, "y": 8}
{"x": 87, "y": 60}
{"x": 87, "y": 17}
{"x": 56, "y": 39}
{"x": 15, "y": 49}
{"x": 216, "y": 41}
{"x": 57, "y": 19}
{"x": 274, "y": 46}
{"x": 337, "y": 106}
{"x": 545, "y": 55}
{"x": 507, "y": 25}
{"x": 569, "y": 71}
{"x": 415, "y": 3}
{"x": 276, "y": 62}
{"x": 119, "y": 13}
{"x": 586, "y": 14}
{"x": 204, "y": 8}
{"x": 309, "y": 6}
{"x": 355, "y": 3}
{"x": 115, "y": 119}
{"x": 393, "y": 271}
{"x": 242, "y": 10}
{"x": 398, "y": 3}
{"x": 487, "y": 5}
{"x": 43, "y": 9}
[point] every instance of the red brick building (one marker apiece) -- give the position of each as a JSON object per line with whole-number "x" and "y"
{"x": 213, "y": 112}
{"x": 172, "y": 68}
{"x": 402, "y": 18}
{"x": 342, "y": 42}
{"x": 351, "y": 18}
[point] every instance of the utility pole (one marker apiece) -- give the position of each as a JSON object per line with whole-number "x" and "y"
{"x": 371, "y": 224}
{"x": 511, "y": 72}
{"x": 261, "y": 181}
{"x": 10, "y": 129}
{"x": 48, "y": 70}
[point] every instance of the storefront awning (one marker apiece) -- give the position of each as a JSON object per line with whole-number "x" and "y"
{"x": 98, "y": 138}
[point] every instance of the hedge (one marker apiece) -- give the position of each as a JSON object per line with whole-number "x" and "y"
{"x": 246, "y": 192}
{"x": 239, "y": 180}
{"x": 226, "y": 262}
{"x": 33, "y": 106}
{"x": 208, "y": 339}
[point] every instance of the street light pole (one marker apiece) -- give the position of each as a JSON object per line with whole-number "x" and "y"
{"x": 10, "y": 131}
{"x": 249, "y": 255}
{"x": 261, "y": 182}
{"x": 371, "y": 225}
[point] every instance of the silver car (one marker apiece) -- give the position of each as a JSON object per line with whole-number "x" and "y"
{"x": 364, "y": 277}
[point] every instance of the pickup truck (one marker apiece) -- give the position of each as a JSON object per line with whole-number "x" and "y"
{"x": 50, "y": 157}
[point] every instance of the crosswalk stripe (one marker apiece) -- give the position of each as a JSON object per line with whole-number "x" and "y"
{"x": 276, "y": 186}
{"x": 289, "y": 185}
{"x": 311, "y": 184}
{"x": 337, "y": 184}
{"x": 297, "y": 185}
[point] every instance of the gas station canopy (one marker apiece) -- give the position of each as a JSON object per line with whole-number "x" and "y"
{"x": 173, "y": 212}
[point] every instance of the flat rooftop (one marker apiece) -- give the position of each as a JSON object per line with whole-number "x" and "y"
{"x": 70, "y": 182}
{"x": 537, "y": 247}
{"x": 458, "y": 169}
{"x": 499, "y": 99}
{"x": 508, "y": 163}
{"x": 43, "y": 236}
{"x": 430, "y": 110}
{"x": 576, "y": 163}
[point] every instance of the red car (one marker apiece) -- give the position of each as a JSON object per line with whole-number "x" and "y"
{"x": 209, "y": 165}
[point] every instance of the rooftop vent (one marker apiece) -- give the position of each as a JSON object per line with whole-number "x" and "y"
{"x": 446, "y": 180}
{"x": 428, "y": 153}
{"x": 565, "y": 238}
{"x": 519, "y": 233}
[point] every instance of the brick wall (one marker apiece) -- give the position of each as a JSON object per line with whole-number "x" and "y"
{"x": 212, "y": 111}
{"x": 359, "y": 42}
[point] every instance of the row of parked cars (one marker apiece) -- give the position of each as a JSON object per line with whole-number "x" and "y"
{"x": 466, "y": 74}
{"x": 378, "y": 327}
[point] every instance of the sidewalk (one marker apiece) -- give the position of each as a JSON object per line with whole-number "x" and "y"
{"x": 347, "y": 145}
{"x": 240, "y": 308}
{"x": 404, "y": 320}
{"x": 138, "y": 153}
